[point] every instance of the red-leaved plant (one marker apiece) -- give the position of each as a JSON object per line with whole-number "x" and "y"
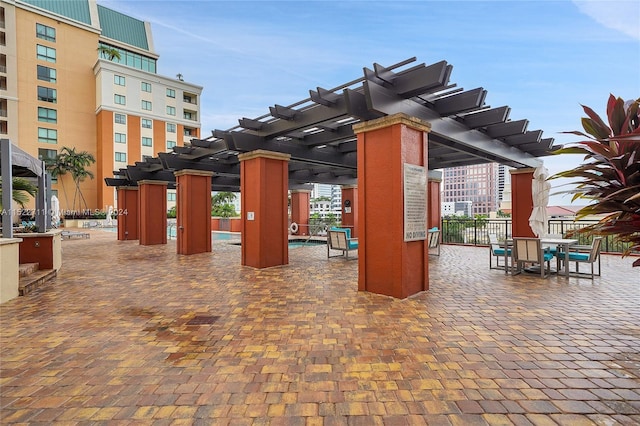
{"x": 610, "y": 173}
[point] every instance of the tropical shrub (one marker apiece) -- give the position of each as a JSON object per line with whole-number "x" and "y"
{"x": 609, "y": 177}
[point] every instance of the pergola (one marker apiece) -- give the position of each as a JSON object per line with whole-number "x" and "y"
{"x": 382, "y": 137}
{"x": 317, "y": 131}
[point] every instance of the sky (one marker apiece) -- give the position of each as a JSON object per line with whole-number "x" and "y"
{"x": 542, "y": 58}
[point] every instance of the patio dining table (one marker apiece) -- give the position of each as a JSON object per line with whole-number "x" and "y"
{"x": 562, "y": 244}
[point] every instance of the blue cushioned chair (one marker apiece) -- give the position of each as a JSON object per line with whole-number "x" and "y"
{"x": 583, "y": 254}
{"x": 340, "y": 239}
{"x": 529, "y": 251}
{"x": 498, "y": 252}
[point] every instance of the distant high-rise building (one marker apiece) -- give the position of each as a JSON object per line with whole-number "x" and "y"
{"x": 77, "y": 74}
{"x": 333, "y": 196}
{"x": 481, "y": 184}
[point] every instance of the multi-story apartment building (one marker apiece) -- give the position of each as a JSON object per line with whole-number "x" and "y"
{"x": 481, "y": 184}
{"x": 62, "y": 84}
{"x": 331, "y": 200}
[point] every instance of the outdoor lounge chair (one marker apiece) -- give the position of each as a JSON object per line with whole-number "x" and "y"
{"x": 583, "y": 254}
{"x": 529, "y": 251}
{"x": 498, "y": 252}
{"x": 67, "y": 235}
{"x": 340, "y": 239}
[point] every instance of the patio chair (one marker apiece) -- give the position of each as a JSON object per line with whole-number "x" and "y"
{"x": 583, "y": 254}
{"x": 434, "y": 241}
{"x": 498, "y": 252}
{"x": 340, "y": 239}
{"x": 529, "y": 251}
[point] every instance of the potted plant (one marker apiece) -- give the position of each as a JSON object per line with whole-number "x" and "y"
{"x": 610, "y": 173}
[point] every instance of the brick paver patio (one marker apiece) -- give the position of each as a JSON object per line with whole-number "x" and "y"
{"x": 128, "y": 334}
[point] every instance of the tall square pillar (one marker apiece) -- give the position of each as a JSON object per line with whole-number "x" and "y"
{"x": 521, "y": 202}
{"x": 264, "y": 181}
{"x": 393, "y": 256}
{"x": 350, "y": 208}
{"x": 300, "y": 210}
{"x": 193, "y": 211}
{"x": 434, "y": 201}
{"x": 153, "y": 212}
{"x": 128, "y": 219}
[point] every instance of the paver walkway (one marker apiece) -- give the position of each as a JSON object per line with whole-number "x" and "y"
{"x": 128, "y": 334}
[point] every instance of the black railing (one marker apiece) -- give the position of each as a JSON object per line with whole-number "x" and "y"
{"x": 476, "y": 232}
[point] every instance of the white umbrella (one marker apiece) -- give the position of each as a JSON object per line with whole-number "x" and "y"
{"x": 55, "y": 211}
{"x": 540, "y": 188}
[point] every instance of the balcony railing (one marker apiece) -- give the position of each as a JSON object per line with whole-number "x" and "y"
{"x": 476, "y": 231}
{"x": 3, "y": 112}
{"x": 3, "y": 69}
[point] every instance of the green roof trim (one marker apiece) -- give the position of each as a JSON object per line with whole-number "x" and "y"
{"x": 126, "y": 29}
{"x": 77, "y": 10}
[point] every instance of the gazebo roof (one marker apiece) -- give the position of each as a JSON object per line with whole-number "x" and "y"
{"x": 317, "y": 131}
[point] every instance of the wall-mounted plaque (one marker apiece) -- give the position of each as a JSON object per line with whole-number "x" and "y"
{"x": 415, "y": 202}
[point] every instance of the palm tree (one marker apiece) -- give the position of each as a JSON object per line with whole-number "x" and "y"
{"x": 110, "y": 53}
{"x": 221, "y": 204}
{"x": 77, "y": 163}
{"x": 58, "y": 167}
{"x": 71, "y": 161}
{"x": 22, "y": 188}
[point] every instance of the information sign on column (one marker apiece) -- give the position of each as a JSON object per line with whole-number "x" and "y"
{"x": 415, "y": 203}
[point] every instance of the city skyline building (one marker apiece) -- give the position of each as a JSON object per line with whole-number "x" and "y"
{"x": 481, "y": 184}
{"x": 81, "y": 75}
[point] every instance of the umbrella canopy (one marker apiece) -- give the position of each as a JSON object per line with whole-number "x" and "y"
{"x": 540, "y": 188}
{"x": 55, "y": 211}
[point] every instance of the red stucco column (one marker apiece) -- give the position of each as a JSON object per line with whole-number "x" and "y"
{"x": 153, "y": 212}
{"x": 128, "y": 220}
{"x": 300, "y": 210}
{"x": 434, "y": 209}
{"x": 392, "y": 158}
{"x": 350, "y": 208}
{"x": 521, "y": 202}
{"x": 193, "y": 211}
{"x": 264, "y": 181}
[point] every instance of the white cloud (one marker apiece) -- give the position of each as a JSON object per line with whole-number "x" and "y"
{"x": 623, "y": 16}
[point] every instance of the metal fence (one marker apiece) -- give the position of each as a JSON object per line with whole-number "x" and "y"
{"x": 476, "y": 231}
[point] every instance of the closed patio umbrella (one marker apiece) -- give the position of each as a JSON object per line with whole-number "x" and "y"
{"x": 540, "y": 188}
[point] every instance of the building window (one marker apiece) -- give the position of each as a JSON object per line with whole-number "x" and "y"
{"x": 120, "y": 100}
{"x": 146, "y": 87}
{"x": 119, "y": 80}
{"x": 45, "y": 33}
{"x": 146, "y": 105}
{"x": 171, "y": 110}
{"x": 189, "y": 132}
{"x": 45, "y": 53}
{"x": 47, "y": 115}
{"x": 171, "y": 128}
{"x": 147, "y": 142}
{"x": 121, "y": 119}
{"x": 171, "y": 196}
{"x": 171, "y": 144}
{"x": 47, "y": 135}
{"x": 147, "y": 124}
{"x": 46, "y": 74}
{"x": 188, "y": 115}
{"x": 131, "y": 59}
{"x": 171, "y": 93}
{"x": 47, "y": 154}
{"x": 47, "y": 94}
{"x": 120, "y": 138}
{"x": 121, "y": 156}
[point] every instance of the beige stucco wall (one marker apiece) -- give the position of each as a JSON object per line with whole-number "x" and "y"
{"x": 76, "y": 53}
{"x": 9, "y": 268}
